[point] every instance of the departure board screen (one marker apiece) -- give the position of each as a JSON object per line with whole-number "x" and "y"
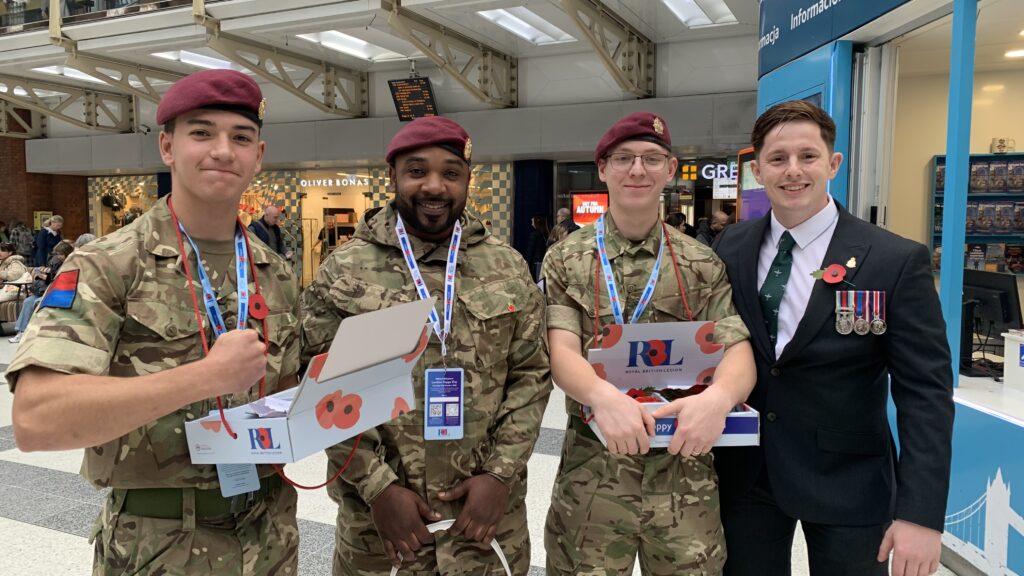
{"x": 414, "y": 98}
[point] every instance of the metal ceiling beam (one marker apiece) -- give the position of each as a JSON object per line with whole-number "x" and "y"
{"x": 626, "y": 53}
{"x": 18, "y": 122}
{"x": 133, "y": 78}
{"x": 488, "y": 74}
{"x": 100, "y": 110}
{"x": 342, "y": 91}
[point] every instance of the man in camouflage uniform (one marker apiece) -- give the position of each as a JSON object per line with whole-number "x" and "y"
{"x": 609, "y": 504}
{"x": 113, "y": 361}
{"x": 398, "y": 482}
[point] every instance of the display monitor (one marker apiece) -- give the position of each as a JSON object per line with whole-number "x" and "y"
{"x": 587, "y": 207}
{"x": 991, "y": 306}
{"x": 413, "y": 97}
{"x": 753, "y": 199}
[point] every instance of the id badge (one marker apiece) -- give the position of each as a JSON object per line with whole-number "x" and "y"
{"x": 442, "y": 415}
{"x": 237, "y": 479}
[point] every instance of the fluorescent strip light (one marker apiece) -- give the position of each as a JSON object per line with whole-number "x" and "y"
{"x": 68, "y": 73}
{"x": 357, "y": 47}
{"x": 196, "y": 60}
{"x": 1015, "y": 54}
{"x": 701, "y": 13}
{"x": 527, "y": 25}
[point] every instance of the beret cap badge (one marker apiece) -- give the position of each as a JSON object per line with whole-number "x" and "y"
{"x": 263, "y": 109}
{"x": 467, "y": 151}
{"x": 659, "y": 127}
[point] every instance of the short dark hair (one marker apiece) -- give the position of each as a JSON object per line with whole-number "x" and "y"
{"x": 169, "y": 126}
{"x": 675, "y": 219}
{"x": 792, "y": 111}
{"x": 8, "y": 247}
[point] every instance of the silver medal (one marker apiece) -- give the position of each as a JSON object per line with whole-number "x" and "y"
{"x": 844, "y": 320}
{"x": 861, "y": 326}
{"x": 878, "y": 326}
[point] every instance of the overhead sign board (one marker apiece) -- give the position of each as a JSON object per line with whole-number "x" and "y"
{"x": 414, "y": 98}
{"x": 791, "y": 28}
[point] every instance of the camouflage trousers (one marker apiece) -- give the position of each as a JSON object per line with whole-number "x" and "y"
{"x": 358, "y": 550}
{"x": 261, "y": 541}
{"x": 607, "y": 508}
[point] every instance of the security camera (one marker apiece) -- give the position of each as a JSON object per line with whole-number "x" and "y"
{"x": 145, "y": 129}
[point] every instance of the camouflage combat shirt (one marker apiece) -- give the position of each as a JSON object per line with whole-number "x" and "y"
{"x": 570, "y": 269}
{"x": 497, "y": 337}
{"x": 132, "y": 316}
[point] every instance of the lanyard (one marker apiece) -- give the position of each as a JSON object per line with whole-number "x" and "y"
{"x": 609, "y": 278}
{"x": 242, "y": 274}
{"x": 449, "y": 279}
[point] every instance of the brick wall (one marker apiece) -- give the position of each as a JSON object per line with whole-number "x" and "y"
{"x": 22, "y": 193}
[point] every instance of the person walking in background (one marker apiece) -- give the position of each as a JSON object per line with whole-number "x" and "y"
{"x": 538, "y": 244}
{"x": 563, "y": 226}
{"x": 677, "y": 220}
{"x": 269, "y": 231}
{"x": 710, "y": 228}
{"x": 47, "y": 237}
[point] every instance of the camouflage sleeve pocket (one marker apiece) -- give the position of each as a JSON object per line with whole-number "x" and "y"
{"x": 158, "y": 318}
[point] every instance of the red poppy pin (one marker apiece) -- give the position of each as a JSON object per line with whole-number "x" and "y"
{"x": 832, "y": 274}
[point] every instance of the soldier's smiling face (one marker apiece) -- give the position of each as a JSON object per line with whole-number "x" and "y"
{"x": 636, "y": 188}
{"x": 212, "y": 154}
{"x": 431, "y": 187}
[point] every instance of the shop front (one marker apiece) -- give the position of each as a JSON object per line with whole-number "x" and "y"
{"x": 319, "y": 209}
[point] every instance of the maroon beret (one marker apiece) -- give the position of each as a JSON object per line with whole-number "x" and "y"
{"x": 431, "y": 131}
{"x": 637, "y": 126}
{"x": 216, "y": 89}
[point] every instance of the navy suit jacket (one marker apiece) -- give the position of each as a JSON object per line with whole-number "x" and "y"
{"x": 825, "y": 438}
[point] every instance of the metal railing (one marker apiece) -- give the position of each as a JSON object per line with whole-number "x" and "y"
{"x": 20, "y": 15}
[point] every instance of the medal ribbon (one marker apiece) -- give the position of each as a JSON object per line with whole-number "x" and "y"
{"x": 609, "y": 277}
{"x": 859, "y": 297}
{"x": 879, "y": 298}
{"x": 449, "y": 279}
{"x": 242, "y": 275}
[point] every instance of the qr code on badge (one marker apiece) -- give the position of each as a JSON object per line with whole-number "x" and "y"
{"x": 435, "y": 410}
{"x": 452, "y": 410}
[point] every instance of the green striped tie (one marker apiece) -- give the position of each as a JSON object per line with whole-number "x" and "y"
{"x": 775, "y": 285}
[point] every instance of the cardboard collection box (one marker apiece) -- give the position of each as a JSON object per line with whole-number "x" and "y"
{"x": 670, "y": 355}
{"x": 363, "y": 381}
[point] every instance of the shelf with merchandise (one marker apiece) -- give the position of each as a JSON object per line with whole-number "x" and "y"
{"x": 994, "y": 234}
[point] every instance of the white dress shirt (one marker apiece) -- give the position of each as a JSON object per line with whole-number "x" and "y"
{"x": 812, "y": 239}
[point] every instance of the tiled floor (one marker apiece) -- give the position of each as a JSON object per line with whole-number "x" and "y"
{"x": 45, "y": 506}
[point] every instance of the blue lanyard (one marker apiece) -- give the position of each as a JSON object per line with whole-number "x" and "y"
{"x": 609, "y": 278}
{"x": 242, "y": 274}
{"x": 449, "y": 279}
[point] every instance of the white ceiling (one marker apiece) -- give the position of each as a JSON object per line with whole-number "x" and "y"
{"x": 277, "y": 23}
{"x": 926, "y": 51}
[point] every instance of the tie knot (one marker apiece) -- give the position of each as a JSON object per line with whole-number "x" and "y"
{"x": 786, "y": 243}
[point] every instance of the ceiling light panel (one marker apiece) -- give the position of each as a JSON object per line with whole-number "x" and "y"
{"x": 68, "y": 73}
{"x": 196, "y": 60}
{"x": 347, "y": 44}
{"x": 701, "y": 13}
{"x": 527, "y": 25}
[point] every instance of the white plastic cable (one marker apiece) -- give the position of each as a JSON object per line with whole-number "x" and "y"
{"x": 446, "y": 524}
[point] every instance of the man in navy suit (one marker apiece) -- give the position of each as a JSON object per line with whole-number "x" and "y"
{"x": 840, "y": 312}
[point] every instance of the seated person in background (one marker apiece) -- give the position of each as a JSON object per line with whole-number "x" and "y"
{"x": 41, "y": 278}
{"x": 12, "y": 269}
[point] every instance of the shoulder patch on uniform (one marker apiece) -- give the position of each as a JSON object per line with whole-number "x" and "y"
{"x": 62, "y": 291}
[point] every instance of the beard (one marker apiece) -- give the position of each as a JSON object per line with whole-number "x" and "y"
{"x": 430, "y": 218}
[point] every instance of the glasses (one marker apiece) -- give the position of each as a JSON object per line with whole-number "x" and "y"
{"x": 622, "y": 161}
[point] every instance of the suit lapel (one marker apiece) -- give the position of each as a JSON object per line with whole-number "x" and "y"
{"x": 821, "y": 307}
{"x": 745, "y": 286}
